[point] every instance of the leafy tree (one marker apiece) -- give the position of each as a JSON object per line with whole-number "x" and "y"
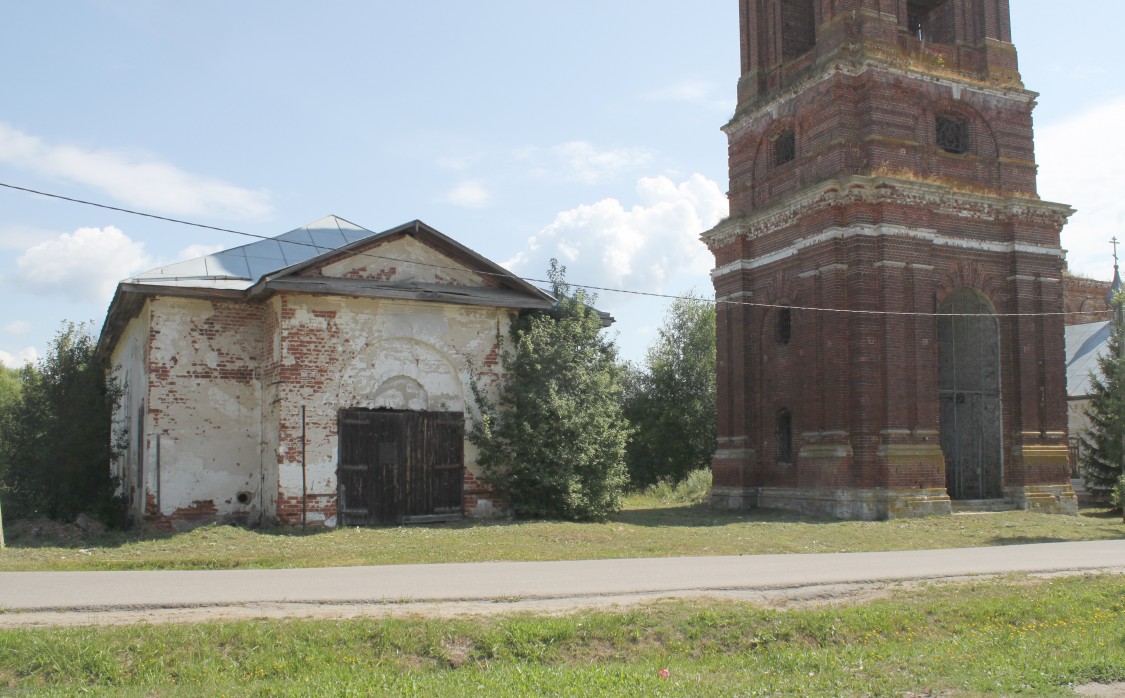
{"x": 671, "y": 401}
{"x": 56, "y": 441}
{"x": 1101, "y": 442}
{"x": 553, "y": 441}
{"x": 9, "y": 386}
{"x": 9, "y": 402}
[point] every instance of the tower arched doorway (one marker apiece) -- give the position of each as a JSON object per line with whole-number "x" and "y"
{"x": 969, "y": 387}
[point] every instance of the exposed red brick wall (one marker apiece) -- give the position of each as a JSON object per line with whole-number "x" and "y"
{"x": 873, "y": 216}
{"x": 1085, "y": 300}
{"x": 290, "y": 509}
{"x": 962, "y": 37}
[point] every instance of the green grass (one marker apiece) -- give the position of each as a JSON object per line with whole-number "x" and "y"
{"x": 647, "y": 527}
{"x": 1014, "y": 637}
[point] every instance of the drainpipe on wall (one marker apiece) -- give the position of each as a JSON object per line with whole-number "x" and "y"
{"x": 304, "y": 479}
{"x": 158, "y": 508}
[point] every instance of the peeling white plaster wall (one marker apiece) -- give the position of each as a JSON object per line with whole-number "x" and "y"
{"x": 204, "y": 400}
{"x": 227, "y": 381}
{"x": 349, "y": 353}
{"x": 133, "y": 467}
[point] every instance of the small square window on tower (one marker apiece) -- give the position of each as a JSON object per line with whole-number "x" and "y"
{"x": 785, "y": 148}
{"x": 952, "y": 134}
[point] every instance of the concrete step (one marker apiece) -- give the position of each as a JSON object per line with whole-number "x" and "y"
{"x": 982, "y": 506}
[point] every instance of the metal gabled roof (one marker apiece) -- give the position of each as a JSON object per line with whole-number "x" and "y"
{"x": 1084, "y": 344}
{"x": 259, "y": 268}
{"x": 240, "y": 268}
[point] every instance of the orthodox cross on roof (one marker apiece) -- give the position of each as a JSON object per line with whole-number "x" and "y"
{"x": 1114, "y": 242}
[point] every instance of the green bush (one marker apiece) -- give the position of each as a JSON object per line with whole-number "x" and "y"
{"x": 1102, "y": 441}
{"x": 670, "y": 400}
{"x": 553, "y": 441}
{"x": 56, "y": 443}
{"x": 693, "y": 489}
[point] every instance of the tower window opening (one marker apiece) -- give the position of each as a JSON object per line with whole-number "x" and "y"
{"x": 798, "y": 28}
{"x": 784, "y": 325}
{"x": 930, "y": 20}
{"x": 952, "y": 134}
{"x": 785, "y": 148}
{"x": 784, "y": 437}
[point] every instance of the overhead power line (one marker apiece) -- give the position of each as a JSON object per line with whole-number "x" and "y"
{"x": 509, "y": 275}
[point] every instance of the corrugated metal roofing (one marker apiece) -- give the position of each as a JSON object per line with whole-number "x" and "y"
{"x": 1084, "y": 344}
{"x": 241, "y": 267}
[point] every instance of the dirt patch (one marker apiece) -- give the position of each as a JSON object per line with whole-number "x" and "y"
{"x": 38, "y": 532}
{"x": 1102, "y": 690}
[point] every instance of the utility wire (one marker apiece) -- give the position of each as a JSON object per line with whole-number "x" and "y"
{"x": 508, "y": 275}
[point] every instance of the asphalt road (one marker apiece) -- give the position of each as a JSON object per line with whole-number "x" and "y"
{"x": 27, "y": 596}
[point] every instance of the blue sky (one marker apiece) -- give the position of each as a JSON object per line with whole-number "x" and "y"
{"x": 587, "y": 131}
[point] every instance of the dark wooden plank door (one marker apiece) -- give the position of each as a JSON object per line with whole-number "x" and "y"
{"x": 400, "y": 466}
{"x": 354, "y": 471}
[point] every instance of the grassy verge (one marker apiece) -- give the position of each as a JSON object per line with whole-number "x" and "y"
{"x": 1016, "y": 637}
{"x": 647, "y": 528}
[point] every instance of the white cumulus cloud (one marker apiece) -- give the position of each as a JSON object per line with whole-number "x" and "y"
{"x": 17, "y": 360}
{"x": 84, "y": 265}
{"x": 1082, "y": 163}
{"x": 470, "y": 194}
{"x": 651, "y": 246}
{"x": 133, "y": 179}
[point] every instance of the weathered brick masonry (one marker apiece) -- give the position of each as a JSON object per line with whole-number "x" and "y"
{"x": 1085, "y": 300}
{"x": 238, "y": 372}
{"x": 882, "y": 165}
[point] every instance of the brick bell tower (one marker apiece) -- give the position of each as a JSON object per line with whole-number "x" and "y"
{"x": 887, "y": 265}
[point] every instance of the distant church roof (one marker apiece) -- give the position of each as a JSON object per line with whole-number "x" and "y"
{"x": 1084, "y": 344}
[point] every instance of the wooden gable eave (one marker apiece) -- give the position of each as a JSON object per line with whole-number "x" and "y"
{"x": 416, "y": 291}
{"x": 426, "y": 235}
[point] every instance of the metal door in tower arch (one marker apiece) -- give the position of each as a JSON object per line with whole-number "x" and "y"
{"x": 969, "y": 389}
{"x": 399, "y": 466}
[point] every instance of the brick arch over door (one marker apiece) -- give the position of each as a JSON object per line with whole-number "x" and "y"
{"x": 402, "y": 361}
{"x": 970, "y": 415}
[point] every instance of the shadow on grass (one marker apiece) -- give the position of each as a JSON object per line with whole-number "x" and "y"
{"x": 697, "y": 515}
{"x": 1100, "y": 513}
{"x": 655, "y": 515}
{"x": 1026, "y": 540}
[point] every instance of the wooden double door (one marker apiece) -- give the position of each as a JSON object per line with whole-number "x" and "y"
{"x": 399, "y": 467}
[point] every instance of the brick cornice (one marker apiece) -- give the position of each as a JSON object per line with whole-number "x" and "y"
{"x": 856, "y": 66}
{"x": 868, "y": 190}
